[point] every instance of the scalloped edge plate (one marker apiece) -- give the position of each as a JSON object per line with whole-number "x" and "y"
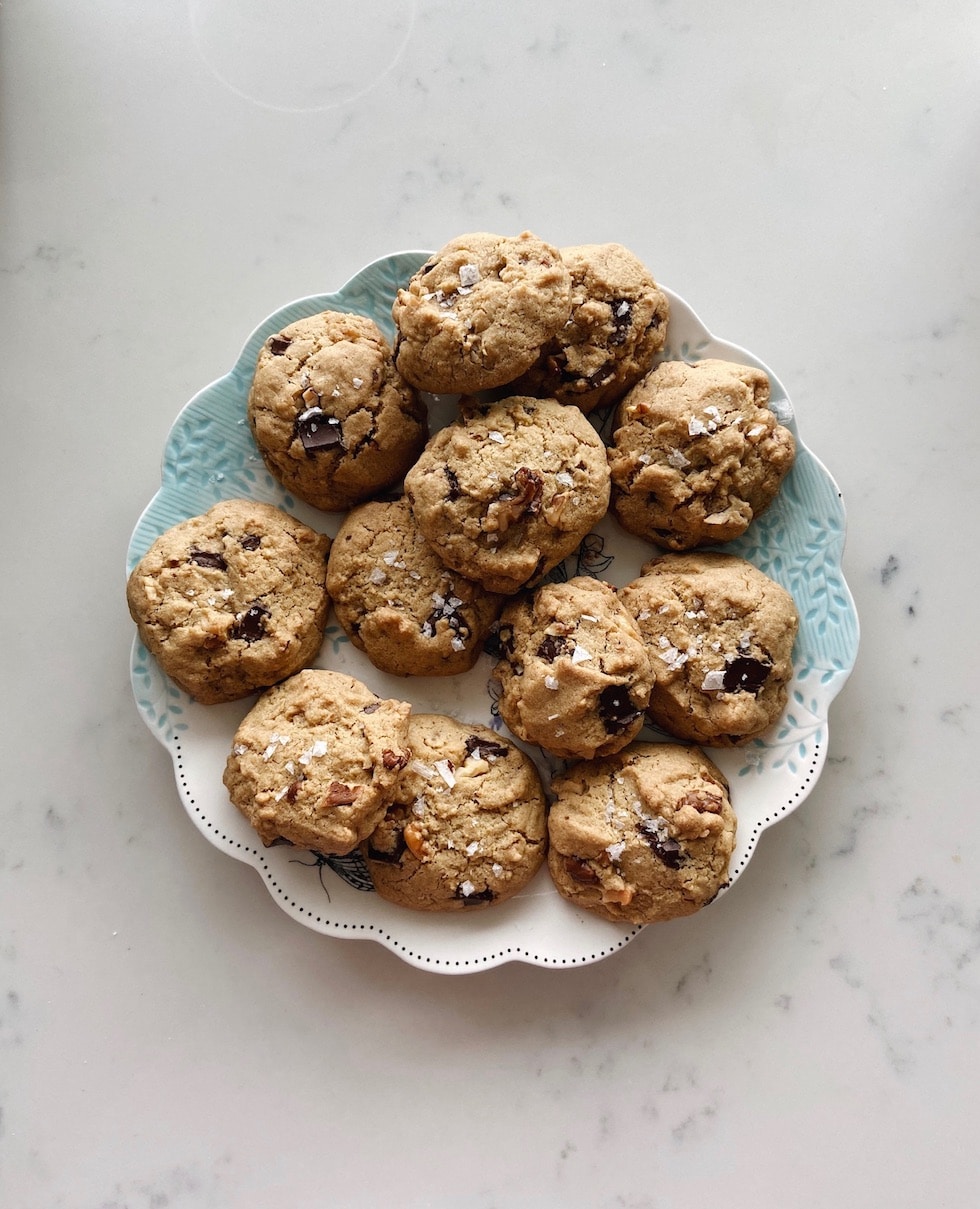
{"x": 799, "y": 541}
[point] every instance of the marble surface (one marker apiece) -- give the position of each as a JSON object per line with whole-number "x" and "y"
{"x": 805, "y": 176}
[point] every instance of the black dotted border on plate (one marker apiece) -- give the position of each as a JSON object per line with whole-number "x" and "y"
{"x": 801, "y": 792}
{"x": 511, "y": 953}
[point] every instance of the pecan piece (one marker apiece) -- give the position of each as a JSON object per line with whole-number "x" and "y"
{"x": 510, "y": 506}
{"x": 581, "y": 871}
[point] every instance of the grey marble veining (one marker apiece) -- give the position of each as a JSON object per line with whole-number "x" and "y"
{"x": 807, "y": 178}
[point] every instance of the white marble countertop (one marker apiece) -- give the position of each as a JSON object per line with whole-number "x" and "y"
{"x": 805, "y": 176}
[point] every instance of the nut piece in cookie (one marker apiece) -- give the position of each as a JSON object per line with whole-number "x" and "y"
{"x": 316, "y": 759}
{"x": 697, "y": 453}
{"x": 575, "y": 676}
{"x": 410, "y": 614}
{"x": 642, "y": 836}
{"x": 477, "y": 313}
{"x": 333, "y": 419}
{"x": 617, "y": 326}
{"x": 720, "y": 635}
{"x": 467, "y": 826}
{"x": 509, "y": 489}
{"x": 233, "y": 600}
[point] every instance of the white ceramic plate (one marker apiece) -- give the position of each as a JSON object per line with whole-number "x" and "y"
{"x": 209, "y": 456}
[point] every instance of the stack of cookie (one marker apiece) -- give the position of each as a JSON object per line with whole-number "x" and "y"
{"x": 445, "y": 549}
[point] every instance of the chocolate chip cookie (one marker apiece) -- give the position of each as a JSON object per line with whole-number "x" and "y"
{"x": 509, "y": 489}
{"x": 232, "y": 601}
{"x": 477, "y": 313}
{"x": 397, "y": 602}
{"x": 467, "y": 826}
{"x": 333, "y": 419}
{"x": 316, "y": 759}
{"x": 575, "y": 676}
{"x": 720, "y": 635}
{"x": 617, "y": 326}
{"x": 642, "y": 836}
{"x": 697, "y": 453}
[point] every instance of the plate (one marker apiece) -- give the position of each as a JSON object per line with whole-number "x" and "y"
{"x": 209, "y": 456}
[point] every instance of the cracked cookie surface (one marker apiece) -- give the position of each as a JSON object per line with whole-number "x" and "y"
{"x": 333, "y": 419}
{"x": 315, "y": 761}
{"x": 642, "y": 836}
{"x": 575, "y": 676}
{"x": 233, "y": 600}
{"x": 617, "y": 325}
{"x": 397, "y": 601}
{"x": 477, "y": 313}
{"x": 720, "y": 636}
{"x": 467, "y": 827}
{"x": 509, "y": 489}
{"x": 697, "y": 454}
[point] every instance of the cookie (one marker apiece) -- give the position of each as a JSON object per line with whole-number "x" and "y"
{"x": 333, "y": 419}
{"x": 410, "y": 614}
{"x": 617, "y": 326}
{"x": 467, "y": 827}
{"x": 642, "y": 836}
{"x": 575, "y": 677}
{"x": 509, "y": 489}
{"x": 316, "y": 759}
{"x": 720, "y": 634}
{"x": 697, "y": 454}
{"x": 232, "y": 601}
{"x": 477, "y": 313}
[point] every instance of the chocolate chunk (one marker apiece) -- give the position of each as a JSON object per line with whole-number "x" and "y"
{"x": 207, "y": 558}
{"x": 394, "y": 759}
{"x": 500, "y": 641}
{"x": 553, "y": 645}
{"x": 668, "y": 850}
{"x": 340, "y": 794}
{"x": 372, "y": 708}
{"x": 293, "y": 789}
{"x": 318, "y": 431}
{"x": 475, "y": 897}
{"x": 616, "y": 709}
{"x": 453, "y": 481}
{"x": 581, "y": 871}
{"x": 250, "y": 541}
{"x": 484, "y": 749}
{"x": 278, "y": 345}
{"x": 387, "y": 857}
{"x": 250, "y": 625}
{"x": 745, "y": 675}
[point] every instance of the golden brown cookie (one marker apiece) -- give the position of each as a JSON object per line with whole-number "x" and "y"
{"x": 333, "y": 419}
{"x": 233, "y": 600}
{"x": 720, "y": 635}
{"x": 410, "y": 614}
{"x": 617, "y": 326}
{"x": 476, "y": 314}
{"x": 316, "y": 759}
{"x": 697, "y": 454}
{"x": 642, "y": 836}
{"x": 467, "y": 827}
{"x": 509, "y": 489}
{"x": 575, "y": 676}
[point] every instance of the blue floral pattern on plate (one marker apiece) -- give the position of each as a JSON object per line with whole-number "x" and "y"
{"x": 209, "y": 455}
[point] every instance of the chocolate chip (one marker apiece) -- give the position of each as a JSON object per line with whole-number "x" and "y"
{"x": 453, "y": 481}
{"x": 250, "y": 625}
{"x": 484, "y": 749}
{"x": 278, "y": 345}
{"x": 745, "y": 675}
{"x": 668, "y": 850}
{"x": 616, "y": 709}
{"x": 207, "y": 558}
{"x": 553, "y": 645}
{"x": 318, "y": 431}
{"x": 250, "y": 541}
